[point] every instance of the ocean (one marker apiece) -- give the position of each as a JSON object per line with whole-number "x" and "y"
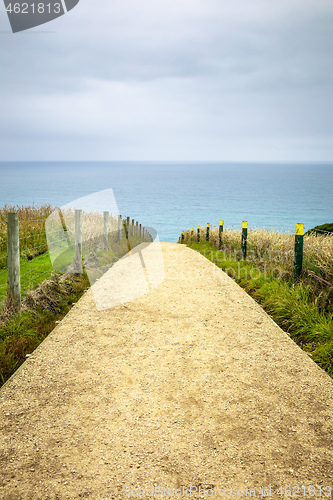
{"x": 171, "y": 197}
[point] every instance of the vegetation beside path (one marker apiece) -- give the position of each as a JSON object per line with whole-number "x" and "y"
{"x": 46, "y": 295}
{"x": 20, "y": 335}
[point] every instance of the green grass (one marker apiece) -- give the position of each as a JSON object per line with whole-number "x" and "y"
{"x": 297, "y": 309}
{"x": 23, "y": 333}
{"x": 328, "y": 227}
{"x": 32, "y": 273}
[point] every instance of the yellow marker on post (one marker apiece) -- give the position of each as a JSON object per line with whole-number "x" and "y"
{"x": 244, "y": 239}
{"x": 300, "y": 229}
{"x": 207, "y": 232}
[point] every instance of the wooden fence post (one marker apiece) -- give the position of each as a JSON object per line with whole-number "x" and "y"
{"x": 140, "y": 230}
{"x": 198, "y": 234}
{"x": 244, "y": 239}
{"x": 207, "y": 231}
{"x": 111, "y": 223}
{"x": 220, "y": 234}
{"x": 119, "y": 228}
{"x": 106, "y": 229}
{"x": 78, "y": 242}
{"x": 132, "y": 227}
{"x": 126, "y": 236}
{"x": 13, "y": 259}
{"x": 298, "y": 255}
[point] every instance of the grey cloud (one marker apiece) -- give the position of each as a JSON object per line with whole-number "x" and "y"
{"x": 201, "y": 70}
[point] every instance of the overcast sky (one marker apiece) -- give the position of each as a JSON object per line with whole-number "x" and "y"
{"x": 171, "y": 80}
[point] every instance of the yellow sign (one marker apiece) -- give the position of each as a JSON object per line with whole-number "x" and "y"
{"x": 300, "y": 229}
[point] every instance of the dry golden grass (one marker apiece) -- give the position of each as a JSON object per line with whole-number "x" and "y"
{"x": 275, "y": 248}
{"x": 318, "y": 255}
{"x": 31, "y": 228}
{"x": 92, "y": 228}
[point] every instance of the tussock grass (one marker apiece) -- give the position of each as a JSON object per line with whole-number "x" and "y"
{"x": 275, "y": 249}
{"x": 31, "y": 230}
{"x": 21, "y": 334}
{"x": 35, "y": 264}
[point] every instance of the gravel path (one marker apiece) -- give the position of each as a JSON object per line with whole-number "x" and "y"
{"x": 190, "y": 386}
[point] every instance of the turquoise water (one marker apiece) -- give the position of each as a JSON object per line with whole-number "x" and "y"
{"x": 174, "y": 196}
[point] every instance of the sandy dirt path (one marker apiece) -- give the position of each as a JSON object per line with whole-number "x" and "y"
{"x": 190, "y": 386}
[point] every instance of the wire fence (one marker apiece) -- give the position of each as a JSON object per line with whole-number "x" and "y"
{"x": 34, "y": 259}
{"x": 57, "y": 243}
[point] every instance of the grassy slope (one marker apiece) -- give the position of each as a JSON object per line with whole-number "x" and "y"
{"x": 32, "y": 273}
{"x": 293, "y": 308}
{"x": 328, "y": 227}
{"x": 23, "y": 333}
